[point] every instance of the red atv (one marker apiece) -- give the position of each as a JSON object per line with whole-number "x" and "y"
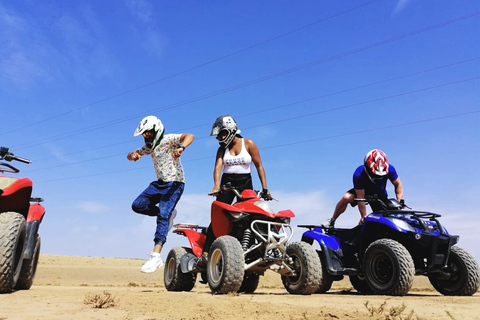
{"x": 251, "y": 238}
{"x": 19, "y": 223}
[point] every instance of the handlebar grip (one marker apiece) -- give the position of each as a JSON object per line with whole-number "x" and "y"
{"x": 21, "y": 159}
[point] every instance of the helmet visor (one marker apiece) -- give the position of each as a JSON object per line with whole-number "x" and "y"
{"x": 148, "y": 134}
{"x": 222, "y": 135}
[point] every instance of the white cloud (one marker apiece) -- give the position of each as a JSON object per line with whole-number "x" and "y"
{"x": 401, "y": 5}
{"x": 148, "y": 33}
{"x": 93, "y": 207}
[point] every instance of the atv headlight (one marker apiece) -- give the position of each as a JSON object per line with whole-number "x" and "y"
{"x": 402, "y": 224}
{"x": 235, "y": 214}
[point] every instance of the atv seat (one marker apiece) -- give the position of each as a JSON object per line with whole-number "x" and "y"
{"x": 349, "y": 237}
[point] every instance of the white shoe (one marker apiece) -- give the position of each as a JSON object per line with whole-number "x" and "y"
{"x": 329, "y": 223}
{"x": 153, "y": 263}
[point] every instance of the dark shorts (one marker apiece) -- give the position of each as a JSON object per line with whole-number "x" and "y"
{"x": 352, "y": 191}
{"x": 239, "y": 181}
{"x": 376, "y": 206}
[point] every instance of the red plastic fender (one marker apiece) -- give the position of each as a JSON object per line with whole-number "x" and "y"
{"x": 221, "y": 226}
{"x": 35, "y": 212}
{"x": 285, "y": 213}
{"x": 196, "y": 239}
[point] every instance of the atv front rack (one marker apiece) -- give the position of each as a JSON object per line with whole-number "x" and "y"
{"x": 275, "y": 237}
{"x": 417, "y": 216}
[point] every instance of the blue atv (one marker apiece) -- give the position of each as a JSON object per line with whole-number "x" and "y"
{"x": 383, "y": 255}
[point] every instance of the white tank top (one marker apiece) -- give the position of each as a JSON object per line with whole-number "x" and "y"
{"x": 240, "y": 163}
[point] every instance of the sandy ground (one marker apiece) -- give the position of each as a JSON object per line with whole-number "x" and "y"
{"x": 74, "y": 287}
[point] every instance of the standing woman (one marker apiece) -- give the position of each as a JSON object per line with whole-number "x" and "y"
{"x": 235, "y": 156}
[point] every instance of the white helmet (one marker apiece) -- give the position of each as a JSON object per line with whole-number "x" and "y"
{"x": 228, "y": 125}
{"x": 152, "y": 130}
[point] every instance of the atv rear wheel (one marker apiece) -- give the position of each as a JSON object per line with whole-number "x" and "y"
{"x": 388, "y": 267}
{"x": 303, "y": 259}
{"x": 173, "y": 277}
{"x": 360, "y": 285}
{"x": 29, "y": 268}
{"x": 326, "y": 280}
{"x": 226, "y": 265}
{"x": 13, "y": 234}
{"x": 249, "y": 283}
{"x": 461, "y": 276}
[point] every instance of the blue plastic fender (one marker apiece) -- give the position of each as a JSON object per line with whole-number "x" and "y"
{"x": 322, "y": 238}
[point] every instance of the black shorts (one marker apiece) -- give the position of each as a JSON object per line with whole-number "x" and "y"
{"x": 239, "y": 181}
{"x": 352, "y": 191}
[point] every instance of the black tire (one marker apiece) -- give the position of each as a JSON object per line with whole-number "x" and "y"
{"x": 249, "y": 283}
{"x": 13, "y": 234}
{"x": 29, "y": 268}
{"x": 173, "y": 277}
{"x": 360, "y": 285}
{"x": 326, "y": 280}
{"x": 464, "y": 275}
{"x": 388, "y": 267}
{"x": 226, "y": 265}
{"x": 305, "y": 262}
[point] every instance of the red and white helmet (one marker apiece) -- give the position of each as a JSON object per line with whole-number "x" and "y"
{"x": 376, "y": 164}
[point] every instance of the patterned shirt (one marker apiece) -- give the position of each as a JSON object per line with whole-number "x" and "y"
{"x": 166, "y": 166}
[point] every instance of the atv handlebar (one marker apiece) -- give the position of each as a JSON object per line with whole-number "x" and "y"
{"x": 8, "y": 156}
{"x": 374, "y": 198}
{"x": 228, "y": 187}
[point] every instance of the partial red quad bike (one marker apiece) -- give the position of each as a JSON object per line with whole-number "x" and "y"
{"x": 251, "y": 239}
{"x": 19, "y": 223}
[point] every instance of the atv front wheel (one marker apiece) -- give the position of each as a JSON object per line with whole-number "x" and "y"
{"x": 29, "y": 268}
{"x": 173, "y": 277}
{"x": 388, "y": 267}
{"x": 460, "y": 277}
{"x": 303, "y": 259}
{"x": 13, "y": 234}
{"x": 226, "y": 265}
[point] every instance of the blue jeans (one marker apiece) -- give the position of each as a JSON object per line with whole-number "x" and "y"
{"x": 166, "y": 195}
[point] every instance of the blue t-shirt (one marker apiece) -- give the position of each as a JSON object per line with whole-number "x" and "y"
{"x": 362, "y": 181}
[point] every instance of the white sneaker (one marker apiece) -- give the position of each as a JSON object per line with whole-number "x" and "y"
{"x": 153, "y": 263}
{"x": 329, "y": 223}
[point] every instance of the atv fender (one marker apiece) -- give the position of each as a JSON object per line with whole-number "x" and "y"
{"x": 322, "y": 238}
{"x": 330, "y": 253}
{"x": 188, "y": 262}
{"x": 35, "y": 216}
{"x": 196, "y": 239}
{"x": 35, "y": 212}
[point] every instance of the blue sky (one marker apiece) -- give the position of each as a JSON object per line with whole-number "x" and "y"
{"x": 316, "y": 84}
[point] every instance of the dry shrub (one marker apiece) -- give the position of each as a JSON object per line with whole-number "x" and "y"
{"x": 393, "y": 313}
{"x": 104, "y": 300}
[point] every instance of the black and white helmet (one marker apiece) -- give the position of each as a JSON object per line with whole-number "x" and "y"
{"x": 151, "y": 128}
{"x": 225, "y": 128}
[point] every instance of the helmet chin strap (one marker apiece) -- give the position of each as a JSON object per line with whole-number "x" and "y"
{"x": 228, "y": 139}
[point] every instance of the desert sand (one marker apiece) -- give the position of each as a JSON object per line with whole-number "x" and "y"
{"x": 68, "y": 287}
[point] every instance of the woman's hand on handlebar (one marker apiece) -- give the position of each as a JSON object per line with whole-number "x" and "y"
{"x": 214, "y": 192}
{"x": 265, "y": 194}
